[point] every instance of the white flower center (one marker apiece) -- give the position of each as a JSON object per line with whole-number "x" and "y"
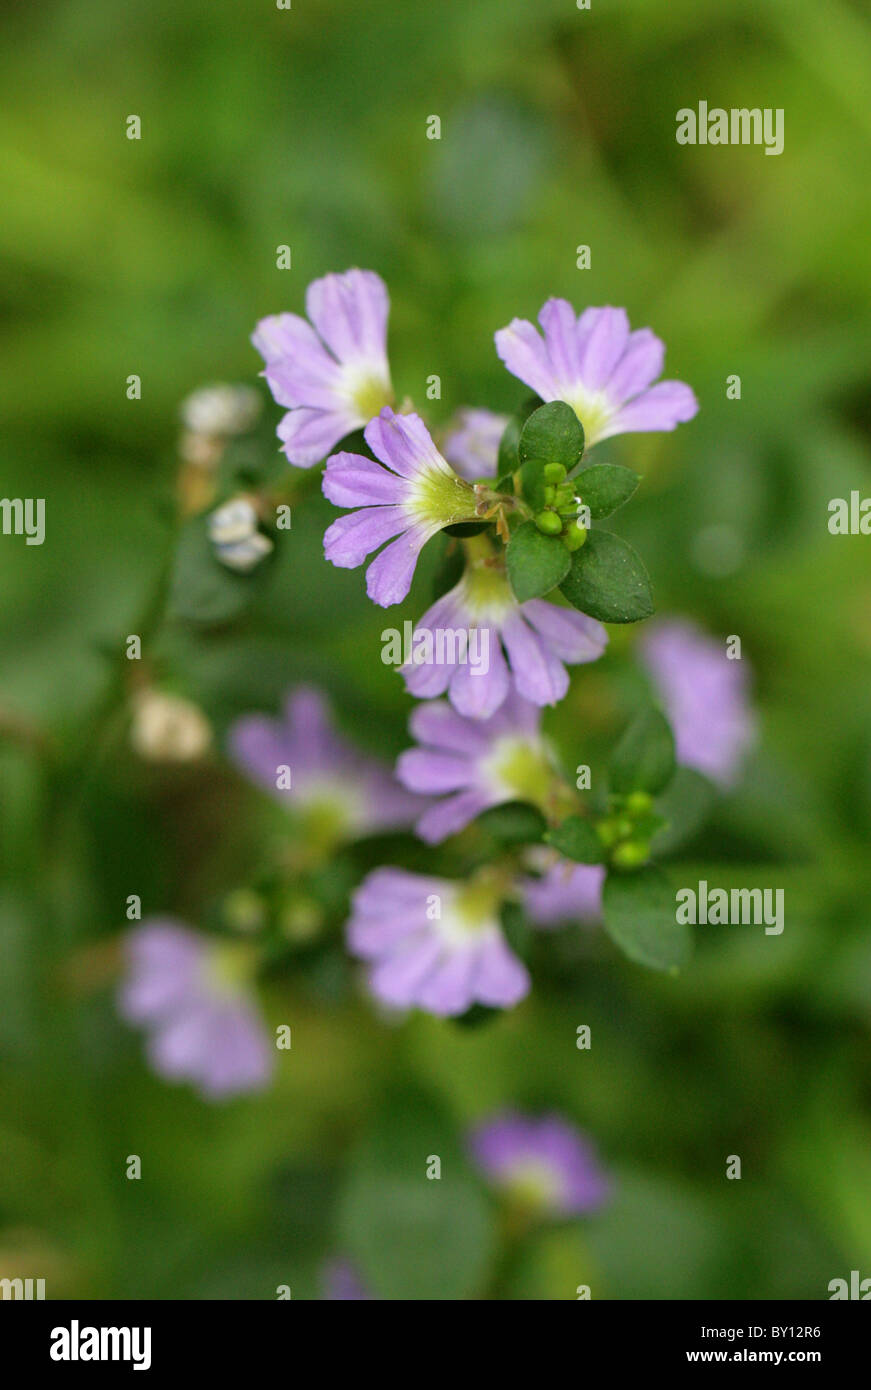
{"x": 367, "y": 386}
{"x": 594, "y": 410}
{"x": 485, "y": 592}
{"x": 518, "y": 769}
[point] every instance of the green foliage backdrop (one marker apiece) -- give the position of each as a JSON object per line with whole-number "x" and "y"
{"x": 307, "y": 127}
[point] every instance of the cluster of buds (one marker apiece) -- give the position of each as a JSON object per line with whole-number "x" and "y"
{"x": 562, "y": 514}
{"x": 211, "y": 417}
{"x": 627, "y": 830}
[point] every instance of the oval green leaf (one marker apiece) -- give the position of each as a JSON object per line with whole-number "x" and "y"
{"x": 643, "y": 760}
{"x": 608, "y": 581}
{"x": 552, "y": 434}
{"x": 604, "y": 487}
{"x": 576, "y": 839}
{"x": 536, "y": 563}
{"x": 640, "y": 916}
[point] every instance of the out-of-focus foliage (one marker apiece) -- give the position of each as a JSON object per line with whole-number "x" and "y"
{"x": 307, "y": 127}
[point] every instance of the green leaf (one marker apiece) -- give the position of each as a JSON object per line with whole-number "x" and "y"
{"x": 412, "y": 1238}
{"x": 516, "y": 930}
{"x": 604, "y": 487}
{"x": 509, "y": 461}
{"x": 577, "y": 840}
{"x": 608, "y": 581}
{"x": 552, "y": 434}
{"x": 532, "y": 483}
{"x": 513, "y": 823}
{"x": 685, "y": 806}
{"x": 536, "y": 563}
{"x": 639, "y": 913}
{"x": 202, "y": 590}
{"x": 643, "y": 760}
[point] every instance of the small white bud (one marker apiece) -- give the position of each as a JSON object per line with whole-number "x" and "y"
{"x": 221, "y": 410}
{"x": 168, "y": 728}
{"x": 235, "y": 521}
{"x": 245, "y": 555}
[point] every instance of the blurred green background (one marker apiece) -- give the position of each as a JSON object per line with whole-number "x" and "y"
{"x": 262, "y": 127}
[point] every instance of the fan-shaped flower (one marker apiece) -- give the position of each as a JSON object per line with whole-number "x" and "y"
{"x": 410, "y": 494}
{"x": 544, "y": 1164}
{"x": 434, "y": 944}
{"x": 705, "y": 695}
{"x": 191, "y": 994}
{"x": 333, "y": 377}
{"x": 478, "y": 762}
{"x": 471, "y": 442}
{"x": 338, "y": 792}
{"x": 598, "y": 367}
{"x": 525, "y": 645}
{"x": 565, "y": 892}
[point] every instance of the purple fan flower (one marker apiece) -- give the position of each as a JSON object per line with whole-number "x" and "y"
{"x": 705, "y": 695}
{"x": 342, "y": 1284}
{"x": 340, "y": 792}
{"x": 601, "y": 369}
{"x": 190, "y": 993}
{"x": 546, "y": 1163}
{"x": 471, "y": 444}
{"x": 434, "y": 944}
{"x": 479, "y": 762}
{"x": 335, "y": 379}
{"x": 411, "y": 494}
{"x": 565, "y": 892}
{"x": 519, "y": 644}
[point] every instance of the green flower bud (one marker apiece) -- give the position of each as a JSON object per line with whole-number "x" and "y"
{"x": 632, "y": 854}
{"x": 637, "y": 803}
{"x": 553, "y": 472}
{"x": 575, "y": 537}
{"x": 548, "y": 523}
{"x": 607, "y": 832}
{"x": 550, "y": 495}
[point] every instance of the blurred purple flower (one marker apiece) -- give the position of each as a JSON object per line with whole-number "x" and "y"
{"x": 546, "y": 1163}
{"x": 523, "y": 643}
{"x": 601, "y": 369}
{"x": 340, "y": 790}
{"x": 471, "y": 443}
{"x": 342, "y": 1284}
{"x": 336, "y": 379}
{"x": 434, "y": 944}
{"x": 480, "y": 762}
{"x": 411, "y": 494}
{"x": 565, "y": 892}
{"x": 705, "y": 695}
{"x": 190, "y": 993}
